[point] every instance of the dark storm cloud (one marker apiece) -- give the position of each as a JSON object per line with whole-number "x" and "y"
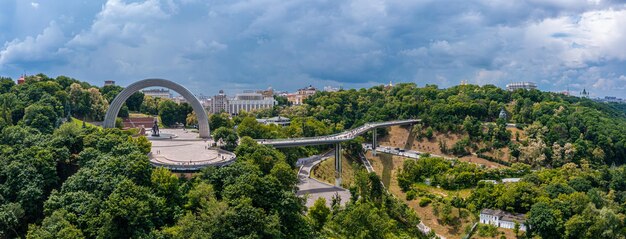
{"x": 289, "y": 44}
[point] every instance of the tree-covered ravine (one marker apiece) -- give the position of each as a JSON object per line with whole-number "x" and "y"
{"x": 61, "y": 178}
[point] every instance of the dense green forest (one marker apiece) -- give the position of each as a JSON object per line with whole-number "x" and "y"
{"x": 573, "y": 201}
{"x": 63, "y": 180}
{"x": 594, "y": 130}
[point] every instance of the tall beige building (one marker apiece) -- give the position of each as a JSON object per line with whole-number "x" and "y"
{"x": 301, "y": 95}
{"x": 219, "y": 103}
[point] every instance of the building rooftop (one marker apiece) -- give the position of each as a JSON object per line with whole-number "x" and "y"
{"x": 511, "y": 180}
{"x": 310, "y": 87}
{"x": 279, "y": 120}
{"x": 503, "y": 215}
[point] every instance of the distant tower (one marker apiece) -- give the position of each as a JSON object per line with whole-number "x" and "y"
{"x": 584, "y": 94}
{"x": 21, "y": 80}
{"x": 503, "y": 114}
{"x": 109, "y": 82}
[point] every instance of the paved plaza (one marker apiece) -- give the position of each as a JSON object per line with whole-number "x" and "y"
{"x": 184, "y": 151}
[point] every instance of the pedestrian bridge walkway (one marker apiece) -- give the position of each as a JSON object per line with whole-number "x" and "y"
{"x": 334, "y": 138}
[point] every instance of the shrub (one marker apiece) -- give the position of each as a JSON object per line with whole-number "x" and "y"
{"x": 429, "y": 133}
{"x": 486, "y": 230}
{"x": 411, "y": 195}
{"x": 424, "y": 202}
{"x": 458, "y": 148}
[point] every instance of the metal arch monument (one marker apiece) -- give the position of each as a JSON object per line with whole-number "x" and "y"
{"x": 116, "y": 105}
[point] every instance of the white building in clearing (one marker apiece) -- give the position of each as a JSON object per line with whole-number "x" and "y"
{"x": 504, "y": 180}
{"x": 281, "y": 121}
{"x": 502, "y": 219}
{"x": 521, "y": 85}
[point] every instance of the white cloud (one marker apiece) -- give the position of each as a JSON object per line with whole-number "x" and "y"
{"x": 484, "y": 77}
{"x": 44, "y": 47}
{"x": 34, "y": 4}
{"x": 579, "y": 40}
{"x": 121, "y": 22}
{"x": 615, "y": 83}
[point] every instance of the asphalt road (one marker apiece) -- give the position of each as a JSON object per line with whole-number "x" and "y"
{"x": 315, "y": 189}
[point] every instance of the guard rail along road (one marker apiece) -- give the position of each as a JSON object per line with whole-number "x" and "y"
{"x": 334, "y": 138}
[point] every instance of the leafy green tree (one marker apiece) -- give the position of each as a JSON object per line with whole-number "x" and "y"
{"x": 319, "y": 213}
{"x": 131, "y": 210}
{"x": 40, "y": 117}
{"x": 123, "y": 113}
{"x": 282, "y": 101}
{"x": 145, "y": 146}
{"x": 87, "y": 103}
{"x": 166, "y": 185}
{"x": 110, "y": 91}
{"x": 472, "y": 127}
{"x": 243, "y": 220}
{"x": 283, "y": 172}
{"x": 70, "y": 136}
{"x": 354, "y": 147}
{"x": 361, "y": 220}
{"x": 150, "y": 105}
{"x": 607, "y": 224}
{"x": 168, "y": 110}
{"x": 217, "y": 121}
{"x": 429, "y": 133}
{"x": 11, "y": 215}
{"x": 228, "y": 136}
{"x": 99, "y": 104}
{"x": 250, "y": 127}
{"x": 518, "y": 197}
{"x": 55, "y": 226}
{"x": 6, "y": 84}
{"x": 134, "y": 101}
{"x": 8, "y": 102}
{"x": 544, "y": 221}
{"x": 192, "y": 119}
{"x": 184, "y": 109}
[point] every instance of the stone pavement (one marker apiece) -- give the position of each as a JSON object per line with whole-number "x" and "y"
{"x": 185, "y": 150}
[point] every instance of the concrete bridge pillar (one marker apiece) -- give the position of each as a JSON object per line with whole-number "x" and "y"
{"x": 338, "y": 164}
{"x": 374, "y": 142}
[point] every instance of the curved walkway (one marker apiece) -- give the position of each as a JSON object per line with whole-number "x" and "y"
{"x": 334, "y": 138}
{"x": 315, "y": 188}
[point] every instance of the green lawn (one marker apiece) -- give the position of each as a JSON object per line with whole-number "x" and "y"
{"x": 138, "y": 115}
{"x": 80, "y": 123}
{"x": 464, "y": 193}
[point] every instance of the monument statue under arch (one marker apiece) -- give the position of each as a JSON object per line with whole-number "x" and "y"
{"x": 114, "y": 107}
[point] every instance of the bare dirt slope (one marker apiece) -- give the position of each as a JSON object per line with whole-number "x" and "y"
{"x": 402, "y": 137}
{"x": 387, "y": 167}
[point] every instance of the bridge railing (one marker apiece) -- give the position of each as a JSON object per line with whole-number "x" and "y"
{"x": 338, "y": 136}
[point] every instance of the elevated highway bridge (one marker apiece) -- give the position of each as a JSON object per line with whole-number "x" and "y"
{"x": 336, "y": 139}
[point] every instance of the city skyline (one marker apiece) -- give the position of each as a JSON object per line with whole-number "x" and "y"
{"x": 247, "y": 45}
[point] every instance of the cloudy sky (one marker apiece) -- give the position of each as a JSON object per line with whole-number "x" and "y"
{"x": 287, "y": 44}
